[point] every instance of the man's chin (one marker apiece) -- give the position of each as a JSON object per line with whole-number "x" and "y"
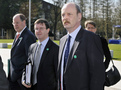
{"x": 66, "y": 27}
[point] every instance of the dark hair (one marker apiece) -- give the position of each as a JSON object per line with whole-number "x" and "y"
{"x": 42, "y": 20}
{"x": 78, "y": 8}
{"x": 90, "y": 22}
{"x": 22, "y": 16}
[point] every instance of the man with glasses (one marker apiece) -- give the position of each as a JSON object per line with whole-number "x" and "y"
{"x": 19, "y": 51}
{"x": 91, "y": 26}
{"x": 44, "y": 55}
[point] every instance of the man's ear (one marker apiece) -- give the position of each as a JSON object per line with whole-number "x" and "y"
{"x": 80, "y": 16}
{"x": 48, "y": 30}
{"x": 95, "y": 30}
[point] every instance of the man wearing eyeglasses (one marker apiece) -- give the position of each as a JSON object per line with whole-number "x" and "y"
{"x": 44, "y": 55}
{"x": 91, "y": 26}
{"x": 19, "y": 51}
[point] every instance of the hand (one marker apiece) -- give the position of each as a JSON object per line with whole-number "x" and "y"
{"x": 27, "y": 86}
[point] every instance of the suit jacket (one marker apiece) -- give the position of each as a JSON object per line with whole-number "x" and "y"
{"x": 85, "y": 68}
{"x": 3, "y": 79}
{"x": 19, "y": 54}
{"x": 47, "y": 71}
{"x": 106, "y": 52}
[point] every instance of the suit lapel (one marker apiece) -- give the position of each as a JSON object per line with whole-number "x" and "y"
{"x": 77, "y": 42}
{"x": 45, "y": 52}
{"x": 61, "y": 48}
{"x": 15, "y": 44}
{"x": 62, "y": 44}
{"x": 19, "y": 39}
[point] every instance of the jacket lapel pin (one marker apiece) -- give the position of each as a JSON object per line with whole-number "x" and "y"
{"x": 47, "y": 49}
{"x": 75, "y": 56}
{"x": 20, "y": 39}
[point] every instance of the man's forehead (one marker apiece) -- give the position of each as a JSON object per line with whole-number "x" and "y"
{"x": 42, "y": 24}
{"x": 68, "y": 8}
{"x": 69, "y": 5}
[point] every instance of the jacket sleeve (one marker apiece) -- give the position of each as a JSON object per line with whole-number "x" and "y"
{"x": 106, "y": 52}
{"x": 96, "y": 65}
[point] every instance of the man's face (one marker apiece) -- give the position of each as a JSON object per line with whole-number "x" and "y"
{"x": 41, "y": 32}
{"x": 91, "y": 28}
{"x": 70, "y": 18}
{"x": 18, "y": 24}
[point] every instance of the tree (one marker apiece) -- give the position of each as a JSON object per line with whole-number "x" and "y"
{"x": 55, "y": 16}
{"x": 100, "y": 12}
{"x": 35, "y": 10}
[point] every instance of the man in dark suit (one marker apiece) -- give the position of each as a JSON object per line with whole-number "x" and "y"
{"x": 80, "y": 56}
{"x": 91, "y": 26}
{"x": 3, "y": 79}
{"x": 19, "y": 51}
{"x": 45, "y": 66}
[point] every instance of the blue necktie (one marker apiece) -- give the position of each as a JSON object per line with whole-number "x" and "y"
{"x": 67, "y": 51}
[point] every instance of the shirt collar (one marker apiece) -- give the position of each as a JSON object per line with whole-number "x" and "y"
{"x": 74, "y": 33}
{"x": 44, "y": 42}
{"x": 21, "y": 31}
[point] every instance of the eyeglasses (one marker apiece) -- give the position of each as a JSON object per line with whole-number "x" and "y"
{"x": 90, "y": 28}
{"x": 15, "y": 23}
{"x": 41, "y": 29}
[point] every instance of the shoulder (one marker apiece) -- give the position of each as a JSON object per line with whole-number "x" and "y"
{"x": 63, "y": 39}
{"x": 33, "y": 45}
{"x": 53, "y": 43}
{"x": 28, "y": 33}
{"x": 28, "y": 36}
{"x": 103, "y": 40}
{"x": 90, "y": 35}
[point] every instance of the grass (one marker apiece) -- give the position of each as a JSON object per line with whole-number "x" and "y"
{"x": 56, "y": 41}
{"x": 116, "y": 51}
{"x": 115, "y": 47}
{"x": 6, "y": 40}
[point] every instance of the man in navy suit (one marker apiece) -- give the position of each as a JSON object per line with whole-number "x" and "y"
{"x": 83, "y": 69}
{"x": 44, "y": 74}
{"x": 19, "y": 51}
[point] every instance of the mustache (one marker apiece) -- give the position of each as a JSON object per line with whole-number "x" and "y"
{"x": 66, "y": 21}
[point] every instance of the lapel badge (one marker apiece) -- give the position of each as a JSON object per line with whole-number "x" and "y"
{"x": 20, "y": 38}
{"x": 47, "y": 49}
{"x": 75, "y": 56}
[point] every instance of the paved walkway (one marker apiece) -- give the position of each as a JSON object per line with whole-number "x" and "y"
{"x": 5, "y": 54}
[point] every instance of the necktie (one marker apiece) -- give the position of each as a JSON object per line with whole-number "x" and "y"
{"x": 67, "y": 51}
{"x": 17, "y": 36}
{"x": 36, "y": 64}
